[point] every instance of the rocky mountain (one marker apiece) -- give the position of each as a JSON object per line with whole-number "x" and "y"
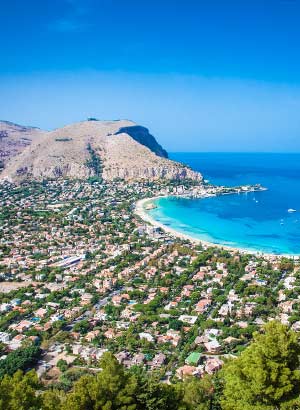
{"x": 141, "y": 135}
{"x": 14, "y": 139}
{"x": 110, "y": 149}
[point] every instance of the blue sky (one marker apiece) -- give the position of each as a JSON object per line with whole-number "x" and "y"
{"x": 206, "y": 75}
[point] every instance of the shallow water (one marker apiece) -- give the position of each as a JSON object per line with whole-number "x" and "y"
{"x": 257, "y": 221}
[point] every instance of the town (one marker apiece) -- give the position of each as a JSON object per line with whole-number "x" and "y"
{"x": 81, "y": 274}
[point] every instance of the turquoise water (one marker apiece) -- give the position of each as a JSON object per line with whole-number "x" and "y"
{"x": 257, "y": 221}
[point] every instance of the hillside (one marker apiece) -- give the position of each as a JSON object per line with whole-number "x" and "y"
{"x": 114, "y": 149}
{"x": 141, "y": 135}
{"x": 14, "y": 139}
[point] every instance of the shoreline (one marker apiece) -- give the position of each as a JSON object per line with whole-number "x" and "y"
{"x": 144, "y": 215}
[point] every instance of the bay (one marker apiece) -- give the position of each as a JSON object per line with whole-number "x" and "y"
{"x": 257, "y": 221}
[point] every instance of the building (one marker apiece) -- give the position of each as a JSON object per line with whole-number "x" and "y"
{"x": 193, "y": 359}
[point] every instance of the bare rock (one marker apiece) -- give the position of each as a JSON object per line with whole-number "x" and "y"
{"x": 116, "y": 149}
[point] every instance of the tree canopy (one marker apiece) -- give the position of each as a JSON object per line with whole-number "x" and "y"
{"x": 266, "y": 375}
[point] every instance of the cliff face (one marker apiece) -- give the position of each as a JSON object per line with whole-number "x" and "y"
{"x": 142, "y": 135}
{"x": 127, "y": 159}
{"x": 94, "y": 148}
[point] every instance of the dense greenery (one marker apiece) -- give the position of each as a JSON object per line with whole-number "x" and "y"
{"x": 264, "y": 377}
{"x": 19, "y": 392}
{"x": 20, "y": 359}
{"x": 267, "y": 374}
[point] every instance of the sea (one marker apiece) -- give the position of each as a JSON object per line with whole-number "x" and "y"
{"x": 254, "y": 221}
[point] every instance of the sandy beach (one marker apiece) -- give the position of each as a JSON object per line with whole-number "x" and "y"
{"x": 144, "y": 215}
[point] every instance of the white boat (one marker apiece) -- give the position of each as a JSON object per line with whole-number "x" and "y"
{"x": 150, "y": 206}
{"x": 292, "y": 210}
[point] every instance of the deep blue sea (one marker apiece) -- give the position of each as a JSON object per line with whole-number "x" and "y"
{"x": 257, "y": 221}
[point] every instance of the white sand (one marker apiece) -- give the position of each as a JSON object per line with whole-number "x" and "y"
{"x": 144, "y": 215}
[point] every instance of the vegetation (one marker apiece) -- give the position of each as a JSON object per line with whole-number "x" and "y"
{"x": 94, "y": 162}
{"x": 149, "y": 300}
{"x": 21, "y": 359}
{"x": 265, "y": 376}
{"x": 18, "y": 392}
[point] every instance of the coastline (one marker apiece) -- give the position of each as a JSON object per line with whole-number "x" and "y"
{"x": 144, "y": 215}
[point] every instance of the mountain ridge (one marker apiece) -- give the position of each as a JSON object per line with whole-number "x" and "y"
{"x": 14, "y": 138}
{"x": 125, "y": 150}
{"x": 142, "y": 135}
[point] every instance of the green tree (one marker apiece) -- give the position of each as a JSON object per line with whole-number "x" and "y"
{"x": 82, "y": 326}
{"x": 19, "y": 392}
{"x": 286, "y": 264}
{"x": 20, "y": 359}
{"x": 266, "y": 375}
{"x": 154, "y": 395}
{"x": 62, "y": 365}
{"x": 111, "y": 389}
{"x": 52, "y": 399}
{"x": 198, "y": 393}
{"x": 80, "y": 398}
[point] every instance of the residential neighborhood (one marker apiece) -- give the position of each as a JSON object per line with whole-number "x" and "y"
{"x": 82, "y": 274}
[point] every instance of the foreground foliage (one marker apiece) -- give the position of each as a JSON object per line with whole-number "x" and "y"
{"x": 21, "y": 359}
{"x": 266, "y": 376}
{"x": 19, "y": 392}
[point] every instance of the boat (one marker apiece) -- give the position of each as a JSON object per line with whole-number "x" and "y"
{"x": 150, "y": 206}
{"x": 292, "y": 210}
